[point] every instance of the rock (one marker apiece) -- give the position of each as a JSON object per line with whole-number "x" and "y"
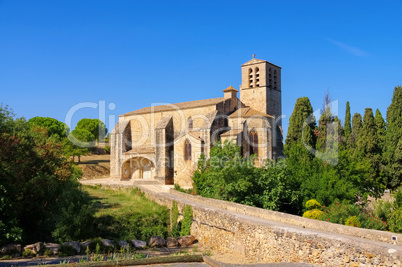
{"x": 107, "y": 243}
{"x": 53, "y": 247}
{"x": 35, "y": 248}
{"x": 156, "y": 241}
{"x": 10, "y": 248}
{"x": 124, "y": 245}
{"x": 139, "y": 243}
{"x": 85, "y": 244}
{"x": 73, "y": 244}
{"x": 185, "y": 241}
{"x": 172, "y": 242}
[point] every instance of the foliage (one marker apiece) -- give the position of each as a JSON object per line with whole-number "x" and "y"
{"x": 187, "y": 221}
{"x": 313, "y": 214}
{"x": 127, "y": 214}
{"x": 395, "y": 221}
{"x": 356, "y": 126}
{"x": 393, "y": 139}
{"x": 78, "y": 143}
{"x": 53, "y": 127}
{"x": 301, "y": 123}
{"x": 107, "y": 149}
{"x": 313, "y": 204}
{"x": 35, "y": 179}
{"x": 340, "y": 212}
{"x": 187, "y": 191}
{"x": 175, "y": 226}
{"x": 398, "y": 198}
{"x": 226, "y": 175}
{"x": 28, "y": 253}
{"x": 347, "y": 124}
{"x": 383, "y": 209}
{"x": 95, "y": 126}
{"x": 353, "y": 221}
{"x": 66, "y": 250}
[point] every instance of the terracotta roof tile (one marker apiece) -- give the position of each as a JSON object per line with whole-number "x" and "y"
{"x": 248, "y": 112}
{"x": 183, "y": 105}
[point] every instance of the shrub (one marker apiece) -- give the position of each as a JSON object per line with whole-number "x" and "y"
{"x": 353, "y": 221}
{"x": 383, "y": 209}
{"x": 395, "y": 221}
{"x": 339, "y": 212}
{"x": 66, "y": 250}
{"x": 313, "y": 214}
{"x": 187, "y": 221}
{"x": 107, "y": 149}
{"x": 398, "y": 198}
{"x": 175, "y": 226}
{"x": 312, "y": 204}
{"x": 6, "y": 257}
{"x": 28, "y": 253}
{"x": 48, "y": 252}
{"x": 372, "y": 222}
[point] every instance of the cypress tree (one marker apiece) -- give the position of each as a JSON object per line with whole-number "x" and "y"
{"x": 380, "y": 126}
{"x": 348, "y": 126}
{"x": 301, "y": 125}
{"x": 393, "y": 139}
{"x": 356, "y": 126}
{"x": 367, "y": 142}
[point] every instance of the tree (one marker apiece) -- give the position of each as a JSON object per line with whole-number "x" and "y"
{"x": 35, "y": 180}
{"x": 301, "y": 124}
{"x": 78, "y": 143}
{"x": 52, "y": 126}
{"x": 368, "y": 152}
{"x": 356, "y": 126}
{"x": 392, "y": 139}
{"x": 380, "y": 126}
{"x": 94, "y": 126}
{"x": 347, "y": 125}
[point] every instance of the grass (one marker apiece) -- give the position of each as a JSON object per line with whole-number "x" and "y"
{"x": 127, "y": 214}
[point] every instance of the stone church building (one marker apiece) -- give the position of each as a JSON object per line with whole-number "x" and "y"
{"x": 164, "y": 142}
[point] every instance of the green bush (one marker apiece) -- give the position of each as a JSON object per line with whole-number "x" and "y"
{"x": 175, "y": 227}
{"x": 28, "y": 253}
{"x": 48, "y": 252}
{"x": 353, "y": 221}
{"x": 107, "y": 149}
{"x": 383, "y": 209}
{"x": 65, "y": 251}
{"x": 187, "y": 221}
{"x": 398, "y": 198}
{"x": 395, "y": 221}
{"x": 313, "y": 204}
{"x": 339, "y": 212}
{"x": 313, "y": 214}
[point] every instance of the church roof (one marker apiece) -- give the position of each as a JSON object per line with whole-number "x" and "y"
{"x": 232, "y": 132}
{"x": 248, "y": 112}
{"x": 256, "y": 61}
{"x": 183, "y": 105}
{"x": 230, "y": 89}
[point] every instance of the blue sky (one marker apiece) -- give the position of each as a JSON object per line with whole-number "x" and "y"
{"x": 57, "y": 54}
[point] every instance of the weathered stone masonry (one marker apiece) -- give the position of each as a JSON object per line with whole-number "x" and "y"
{"x": 277, "y": 237}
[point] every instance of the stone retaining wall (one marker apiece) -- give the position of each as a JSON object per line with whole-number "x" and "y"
{"x": 217, "y": 226}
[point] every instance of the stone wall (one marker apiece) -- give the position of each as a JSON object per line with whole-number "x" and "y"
{"x": 277, "y": 237}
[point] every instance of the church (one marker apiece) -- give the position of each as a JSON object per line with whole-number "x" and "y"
{"x": 163, "y": 143}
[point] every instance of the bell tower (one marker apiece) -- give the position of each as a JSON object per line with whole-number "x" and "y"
{"x": 261, "y": 87}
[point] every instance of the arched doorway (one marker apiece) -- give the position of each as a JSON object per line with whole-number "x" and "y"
{"x": 138, "y": 168}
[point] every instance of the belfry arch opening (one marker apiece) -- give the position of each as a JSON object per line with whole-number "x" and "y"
{"x": 138, "y": 168}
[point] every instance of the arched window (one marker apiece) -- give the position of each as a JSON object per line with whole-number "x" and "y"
{"x": 253, "y": 138}
{"x": 187, "y": 150}
{"x": 250, "y": 77}
{"x": 257, "y": 77}
{"x": 274, "y": 79}
{"x": 190, "y": 124}
{"x": 202, "y": 147}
